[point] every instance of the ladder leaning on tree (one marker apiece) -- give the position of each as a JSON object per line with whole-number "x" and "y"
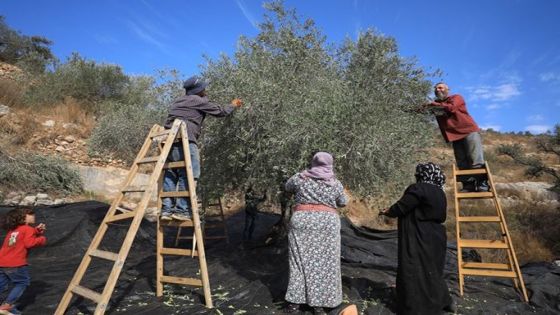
{"x": 117, "y": 213}
{"x": 506, "y": 270}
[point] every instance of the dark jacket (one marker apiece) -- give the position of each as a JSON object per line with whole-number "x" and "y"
{"x": 193, "y": 109}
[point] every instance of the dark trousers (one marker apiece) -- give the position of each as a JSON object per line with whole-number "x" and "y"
{"x": 468, "y": 154}
{"x": 250, "y": 218}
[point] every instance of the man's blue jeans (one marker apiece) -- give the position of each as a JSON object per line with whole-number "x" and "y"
{"x": 176, "y": 178}
{"x": 19, "y": 277}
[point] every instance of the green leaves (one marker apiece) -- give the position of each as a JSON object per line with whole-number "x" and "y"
{"x": 303, "y": 95}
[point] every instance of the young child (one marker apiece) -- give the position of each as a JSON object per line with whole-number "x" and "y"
{"x": 21, "y": 236}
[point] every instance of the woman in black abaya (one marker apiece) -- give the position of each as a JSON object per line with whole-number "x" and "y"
{"x": 421, "y": 212}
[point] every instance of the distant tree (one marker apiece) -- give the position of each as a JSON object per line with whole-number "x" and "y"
{"x": 547, "y": 143}
{"x": 303, "y": 95}
{"x": 32, "y": 53}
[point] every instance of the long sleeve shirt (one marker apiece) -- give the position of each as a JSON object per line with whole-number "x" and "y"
{"x": 456, "y": 123}
{"x": 193, "y": 109}
{"x": 16, "y": 244}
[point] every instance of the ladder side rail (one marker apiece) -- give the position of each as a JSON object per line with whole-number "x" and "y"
{"x": 133, "y": 229}
{"x": 67, "y": 297}
{"x": 458, "y": 233}
{"x": 224, "y": 225}
{"x": 196, "y": 218}
{"x": 508, "y": 236}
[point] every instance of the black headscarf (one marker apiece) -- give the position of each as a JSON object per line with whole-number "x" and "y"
{"x": 430, "y": 173}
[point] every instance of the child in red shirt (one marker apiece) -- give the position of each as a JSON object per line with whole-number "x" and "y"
{"x": 21, "y": 236}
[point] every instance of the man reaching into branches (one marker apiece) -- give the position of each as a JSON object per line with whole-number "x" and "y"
{"x": 192, "y": 108}
{"x": 458, "y": 127}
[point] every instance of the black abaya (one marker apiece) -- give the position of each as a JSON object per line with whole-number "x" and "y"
{"x": 421, "y": 288}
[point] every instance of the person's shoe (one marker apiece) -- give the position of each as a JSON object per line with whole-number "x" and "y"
{"x": 181, "y": 216}
{"x": 290, "y": 308}
{"x": 469, "y": 186}
{"x": 165, "y": 216}
{"x": 483, "y": 186}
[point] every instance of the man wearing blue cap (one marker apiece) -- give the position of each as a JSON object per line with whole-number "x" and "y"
{"x": 192, "y": 108}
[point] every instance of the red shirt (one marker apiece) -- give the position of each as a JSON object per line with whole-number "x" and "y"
{"x": 14, "y": 249}
{"x": 456, "y": 123}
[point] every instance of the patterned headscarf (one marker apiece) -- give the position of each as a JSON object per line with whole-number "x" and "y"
{"x": 321, "y": 168}
{"x": 430, "y": 173}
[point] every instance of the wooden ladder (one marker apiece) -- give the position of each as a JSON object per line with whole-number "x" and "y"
{"x": 211, "y": 222}
{"x": 117, "y": 213}
{"x": 507, "y": 270}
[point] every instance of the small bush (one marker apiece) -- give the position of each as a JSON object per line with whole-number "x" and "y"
{"x": 32, "y": 172}
{"x": 121, "y": 133}
{"x": 81, "y": 79}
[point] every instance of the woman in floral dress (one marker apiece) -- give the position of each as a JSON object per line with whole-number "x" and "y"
{"x": 314, "y": 237}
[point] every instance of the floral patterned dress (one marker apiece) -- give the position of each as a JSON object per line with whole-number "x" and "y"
{"x": 314, "y": 244}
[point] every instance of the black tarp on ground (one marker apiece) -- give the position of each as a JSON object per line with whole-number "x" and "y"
{"x": 248, "y": 279}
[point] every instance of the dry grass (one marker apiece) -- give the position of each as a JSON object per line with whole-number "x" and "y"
{"x": 19, "y": 129}
{"x": 10, "y": 92}
{"x": 73, "y": 112}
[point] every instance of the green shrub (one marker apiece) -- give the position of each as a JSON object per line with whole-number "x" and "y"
{"x": 33, "y": 172}
{"x": 81, "y": 79}
{"x": 121, "y": 132}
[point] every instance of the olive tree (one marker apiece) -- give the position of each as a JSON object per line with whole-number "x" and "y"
{"x": 304, "y": 95}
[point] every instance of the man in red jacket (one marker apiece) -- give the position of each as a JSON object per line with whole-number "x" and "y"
{"x": 459, "y": 128}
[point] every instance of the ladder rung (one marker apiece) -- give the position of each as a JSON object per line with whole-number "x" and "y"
{"x": 178, "y": 251}
{"x": 475, "y": 195}
{"x": 123, "y": 210}
{"x": 180, "y": 280}
{"x": 479, "y": 219}
{"x": 177, "y": 223}
{"x": 477, "y": 265}
{"x": 166, "y": 194}
{"x": 471, "y": 172}
{"x": 160, "y": 133}
{"x": 174, "y": 164}
{"x": 87, "y": 293}
{"x": 131, "y": 189}
{"x": 483, "y": 244}
{"x": 104, "y": 254}
{"x": 489, "y": 273}
{"x": 122, "y": 216}
{"x": 151, "y": 159}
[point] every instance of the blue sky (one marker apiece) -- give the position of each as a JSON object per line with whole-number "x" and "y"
{"x": 503, "y": 56}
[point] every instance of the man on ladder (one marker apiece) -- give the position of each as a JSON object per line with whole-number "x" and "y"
{"x": 459, "y": 128}
{"x": 192, "y": 108}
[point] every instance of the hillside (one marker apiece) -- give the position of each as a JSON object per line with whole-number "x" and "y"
{"x": 64, "y": 130}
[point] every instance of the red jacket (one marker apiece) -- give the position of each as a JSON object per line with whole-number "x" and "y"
{"x": 456, "y": 123}
{"x": 14, "y": 249}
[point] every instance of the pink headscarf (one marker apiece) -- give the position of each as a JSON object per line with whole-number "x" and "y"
{"x": 321, "y": 168}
